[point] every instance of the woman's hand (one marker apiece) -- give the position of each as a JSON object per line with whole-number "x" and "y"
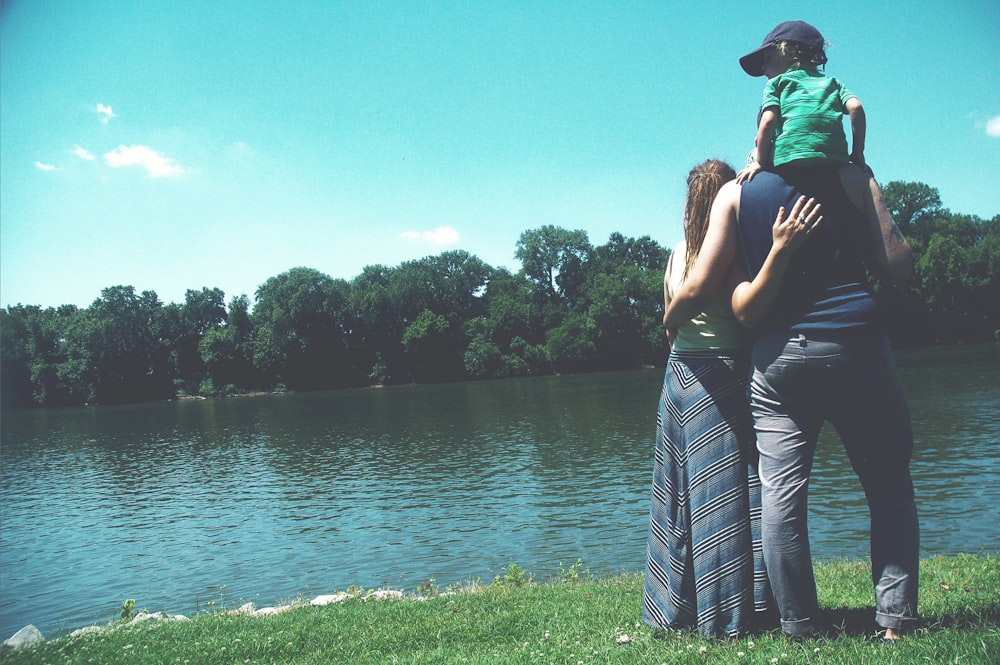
{"x": 752, "y": 300}
{"x": 789, "y": 232}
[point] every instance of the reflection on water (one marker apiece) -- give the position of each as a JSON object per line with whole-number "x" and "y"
{"x": 181, "y": 504}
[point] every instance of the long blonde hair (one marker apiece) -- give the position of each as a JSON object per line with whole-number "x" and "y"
{"x": 704, "y": 182}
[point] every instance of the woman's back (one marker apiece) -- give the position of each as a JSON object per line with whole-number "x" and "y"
{"x": 716, "y": 328}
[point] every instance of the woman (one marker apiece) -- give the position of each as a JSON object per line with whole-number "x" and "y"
{"x": 704, "y": 563}
{"x": 820, "y": 354}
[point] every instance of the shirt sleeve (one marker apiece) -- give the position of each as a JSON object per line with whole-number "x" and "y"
{"x": 771, "y": 94}
{"x": 844, "y": 94}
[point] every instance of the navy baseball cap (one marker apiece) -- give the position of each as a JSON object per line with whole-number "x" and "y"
{"x": 789, "y": 31}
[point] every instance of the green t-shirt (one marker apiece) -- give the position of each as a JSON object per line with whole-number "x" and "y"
{"x": 812, "y": 108}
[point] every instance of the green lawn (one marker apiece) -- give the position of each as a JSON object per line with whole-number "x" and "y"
{"x": 575, "y": 620}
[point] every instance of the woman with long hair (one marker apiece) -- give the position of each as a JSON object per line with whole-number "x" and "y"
{"x": 705, "y": 567}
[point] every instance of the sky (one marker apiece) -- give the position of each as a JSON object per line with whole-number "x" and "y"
{"x": 186, "y": 144}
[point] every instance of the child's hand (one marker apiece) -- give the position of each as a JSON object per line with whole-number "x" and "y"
{"x": 748, "y": 172}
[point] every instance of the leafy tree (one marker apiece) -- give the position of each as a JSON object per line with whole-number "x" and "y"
{"x": 571, "y": 347}
{"x": 121, "y": 337}
{"x": 623, "y": 297}
{"x": 553, "y": 259}
{"x": 377, "y": 332}
{"x": 911, "y": 204}
{"x": 32, "y": 351}
{"x": 389, "y": 304}
{"x": 202, "y": 310}
{"x": 301, "y": 323}
{"x": 227, "y": 351}
{"x": 953, "y": 293}
{"x": 508, "y": 338}
{"x": 483, "y": 359}
{"x": 433, "y": 348}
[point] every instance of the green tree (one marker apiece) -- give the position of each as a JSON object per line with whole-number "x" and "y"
{"x": 623, "y": 295}
{"x": 301, "y": 326}
{"x": 33, "y": 361}
{"x": 227, "y": 351}
{"x": 121, "y": 337}
{"x": 433, "y": 348}
{"x": 553, "y": 259}
{"x": 189, "y": 323}
{"x": 912, "y": 205}
{"x": 378, "y": 330}
{"x": 571, "y": 346}
{"x": 508, "y": 338}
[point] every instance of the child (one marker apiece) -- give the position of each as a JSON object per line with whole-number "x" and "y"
{"x": 801, "y": 120}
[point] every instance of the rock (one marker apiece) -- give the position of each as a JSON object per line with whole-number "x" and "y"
{"x": 319, "y": 601}
{"x": 246, "y": 610}
{"x": 142, "y": 617}
{"x": 25, "y": 637}
{"x": 86, "y": 630}
{"x": 385, "y": 594}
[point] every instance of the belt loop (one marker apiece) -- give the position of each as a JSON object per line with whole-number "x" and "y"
{"x": 802, "y": 340}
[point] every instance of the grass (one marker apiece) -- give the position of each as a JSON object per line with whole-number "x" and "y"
{"x": 575, "y": 620}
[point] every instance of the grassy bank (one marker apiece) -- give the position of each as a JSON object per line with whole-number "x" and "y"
{"x": 575, "y": 620}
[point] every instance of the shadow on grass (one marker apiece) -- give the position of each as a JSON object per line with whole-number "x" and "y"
{"x": 855, "y": 622}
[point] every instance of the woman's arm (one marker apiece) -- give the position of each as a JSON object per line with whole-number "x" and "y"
{"x": 671, "y": 332}
{"x": 752, "y": 300}
{"x": 705, "y": 280}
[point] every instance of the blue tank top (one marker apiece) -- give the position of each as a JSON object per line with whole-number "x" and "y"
{"x": 824, "y": 289}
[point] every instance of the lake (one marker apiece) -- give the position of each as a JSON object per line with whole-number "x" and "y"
{"x": 183, "y": 504}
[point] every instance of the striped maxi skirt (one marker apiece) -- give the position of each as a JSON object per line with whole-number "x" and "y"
{"x": 705, "y": 565}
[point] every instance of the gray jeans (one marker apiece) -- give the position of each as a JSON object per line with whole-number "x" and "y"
{"x": 798, "y": 383}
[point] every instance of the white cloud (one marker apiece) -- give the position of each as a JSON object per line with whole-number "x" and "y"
{"x": 83, "y": 153}
{"x": 156, "y": 165}
{"x": 993, "y": 126}
{"x": 442, "y": 235}
{"x": 106, "y": 112}
{"x": 45, "y": 167}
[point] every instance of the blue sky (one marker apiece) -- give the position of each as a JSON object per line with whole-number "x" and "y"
{"x": 187, "y": 144}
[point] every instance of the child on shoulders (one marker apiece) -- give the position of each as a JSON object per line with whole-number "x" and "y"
{"x": 801, "y": 119}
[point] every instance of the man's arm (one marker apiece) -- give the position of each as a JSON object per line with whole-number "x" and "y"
{"x": 891, "y": 254}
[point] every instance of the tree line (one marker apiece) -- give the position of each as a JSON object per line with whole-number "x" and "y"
{"x": 572, "y": 307}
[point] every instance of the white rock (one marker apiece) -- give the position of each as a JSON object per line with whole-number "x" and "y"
{"x": 385, "y": 594}
{"x": 25, "y": 637}
{"x": 319, "y": 601}
{"x": 246, "y": 609}
{"x": 86, "y": 630}
{"x": 142, "y": 617}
